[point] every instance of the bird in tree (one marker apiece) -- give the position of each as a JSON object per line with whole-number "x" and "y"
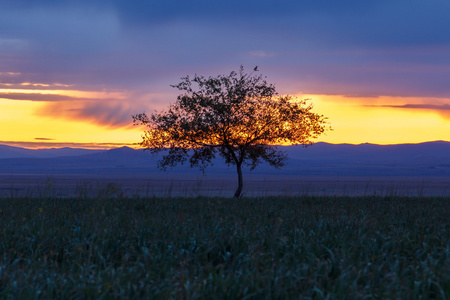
{"x": 238, "y": 116}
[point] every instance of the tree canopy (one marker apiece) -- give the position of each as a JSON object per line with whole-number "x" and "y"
{"x": 239, "y": 116}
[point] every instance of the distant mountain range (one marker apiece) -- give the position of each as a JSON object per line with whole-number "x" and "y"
{"x": 17, "y": 152}
{"x": 431, "y": 159}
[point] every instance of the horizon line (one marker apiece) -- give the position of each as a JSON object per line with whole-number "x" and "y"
{"x": 108, "y": 146}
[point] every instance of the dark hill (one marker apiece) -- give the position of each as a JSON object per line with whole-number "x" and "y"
{"x": 17, "y": 152}
{"x": 321, "y": 159}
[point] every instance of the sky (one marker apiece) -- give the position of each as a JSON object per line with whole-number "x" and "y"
{"x": 73, "y": 72}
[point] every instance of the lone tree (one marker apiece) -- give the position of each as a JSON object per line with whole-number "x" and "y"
{"x": 240, "y": 116}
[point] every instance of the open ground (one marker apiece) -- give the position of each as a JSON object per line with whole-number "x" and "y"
{"x": 66, "y": 185}
{"x": 309, "y": 247}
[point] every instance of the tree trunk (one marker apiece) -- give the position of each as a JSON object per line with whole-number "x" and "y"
{"x": 240, "y": 181}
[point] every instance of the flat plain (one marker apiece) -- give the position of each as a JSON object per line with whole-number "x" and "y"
{"x": 194, "y": 185}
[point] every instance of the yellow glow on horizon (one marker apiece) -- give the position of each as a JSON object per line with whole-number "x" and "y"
{"x": 354, "y": 120}
{"x": 22, "y": 124}
{"x": 359, "y": 120}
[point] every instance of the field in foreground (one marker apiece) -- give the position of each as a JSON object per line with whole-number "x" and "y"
{"x": 215, "y": 248}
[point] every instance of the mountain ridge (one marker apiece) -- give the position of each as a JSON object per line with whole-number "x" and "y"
{"x": 321, "y": 159}
{"x": 7, "y": 151}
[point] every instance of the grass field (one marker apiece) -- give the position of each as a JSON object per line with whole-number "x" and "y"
{"x": 216, "y": 248}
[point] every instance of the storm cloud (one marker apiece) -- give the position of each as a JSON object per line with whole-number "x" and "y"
{"x": 366, "y": 48}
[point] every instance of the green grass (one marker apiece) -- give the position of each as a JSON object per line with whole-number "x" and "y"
{"x": 214, "y": 248}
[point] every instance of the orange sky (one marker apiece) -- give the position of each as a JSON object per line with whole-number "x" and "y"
{"x": 87, "y": 119}
{"x": 37, "y": 124}
{"x": 73, "y": 72}
{"x": 384, "y": 121}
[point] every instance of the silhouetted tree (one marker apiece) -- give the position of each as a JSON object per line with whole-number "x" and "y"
{"x": 240, "y": 116}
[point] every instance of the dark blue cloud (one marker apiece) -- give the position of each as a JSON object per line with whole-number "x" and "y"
{"x": 386, "y": 47}
{"x": 403, "y": 22}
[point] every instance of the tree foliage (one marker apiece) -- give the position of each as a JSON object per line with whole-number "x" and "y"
{"x": 239, "y": 116}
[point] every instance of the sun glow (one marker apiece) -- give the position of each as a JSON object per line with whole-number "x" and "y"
{"x": 379, "y": 120}
{"x": 23, "y": 125}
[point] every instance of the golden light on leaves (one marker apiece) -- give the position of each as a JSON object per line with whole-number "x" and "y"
{"x": 236, "y": 116}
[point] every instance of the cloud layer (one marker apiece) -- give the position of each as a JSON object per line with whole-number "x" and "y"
{"x": 353, "y": 48}
{"x": 126, "y": 43}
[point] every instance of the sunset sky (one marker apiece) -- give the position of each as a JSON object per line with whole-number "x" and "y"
{"x": 73, "y": 72}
